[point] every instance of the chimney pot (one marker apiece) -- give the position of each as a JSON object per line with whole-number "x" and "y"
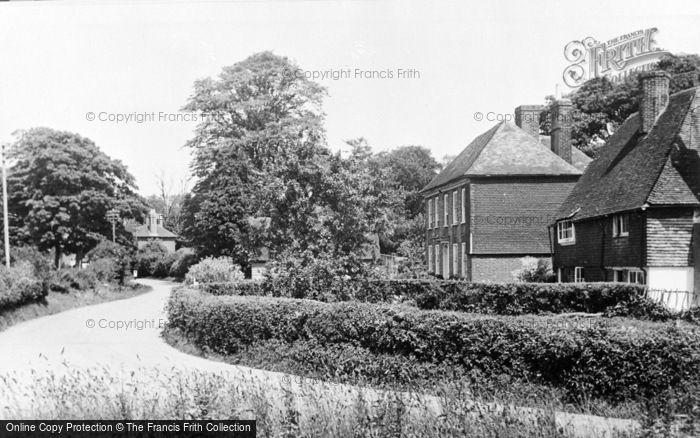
{"x": 561, "y": 128}
{"x": 655, "y": 91}
{"x": 527, "y": 117}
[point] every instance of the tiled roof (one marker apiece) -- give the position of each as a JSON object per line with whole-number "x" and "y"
{"x": 504, "y": 150}
{"x": 633, "y": 170}
{"x": 578, "y": 159}
{"x": 143, "y": 231}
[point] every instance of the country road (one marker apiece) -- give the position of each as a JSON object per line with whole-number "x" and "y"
{"x": 106, "y": 337}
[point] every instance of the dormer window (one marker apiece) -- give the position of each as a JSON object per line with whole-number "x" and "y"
{"x": 621, "y": 223}
{"x": 566, "y": 234}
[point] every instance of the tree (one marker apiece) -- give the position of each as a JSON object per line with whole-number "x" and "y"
{"x": 61, "y": 186}
{"x": 601, "y": 106}
{"x": 168, "y": 201}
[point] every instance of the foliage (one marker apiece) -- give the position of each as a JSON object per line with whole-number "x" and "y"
{"x": 319, "y": 277}
{"x": 210, "y": 270}
{"x": 583, "y": 356}
{"x": 233, "y": 288}
{"x": 148, "y": 258}
{"x": 601, "y": 106}
{"x": 61, "y": 187}
{"x": 535, "y": 270}
{"x": 184, "y": 258}
{"x": 68, "y": 279}
{"x": 118, "y": 256}
{"x": 20, "y": 285}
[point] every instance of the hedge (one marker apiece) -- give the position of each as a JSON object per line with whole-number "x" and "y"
{"x": 613, "y": 299}
{"x": 617, "y": 360}
{"x": 19, "y": 285}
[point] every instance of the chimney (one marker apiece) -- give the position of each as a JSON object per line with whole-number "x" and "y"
{"x": 561, "y": 128}
{"x": 655, "y": 89}
{"x": 152, "y": 222}
{"x": 527, "y": 117}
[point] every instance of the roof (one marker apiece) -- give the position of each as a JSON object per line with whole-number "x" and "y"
{"x": 143, "y": 232}
{"x": 578, "y": 159}
{"x": 504, "y": 150}
{"x": 633, "y": 169}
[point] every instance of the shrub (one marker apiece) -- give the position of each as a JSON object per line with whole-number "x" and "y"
{"x": 108, "y": 253}
{"x": 212, "y": 270}
{"x": 148, "y": 257}
{"x": 20, "y": 285}
{"x": 534, "y": 270}
{"x": 40, "y": 261}
{"x": 319, "y": 277}
{"x": 586, "y": 357}
{"x": 66, "y": 279}
{"x": 184, "y": 259}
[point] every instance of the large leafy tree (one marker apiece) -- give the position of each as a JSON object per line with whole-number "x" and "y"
{"x": 261, "y": 153}
{"x": 600, "y": 106}
{"x": 60, "y": 188}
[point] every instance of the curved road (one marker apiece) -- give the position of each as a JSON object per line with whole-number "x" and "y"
{"x": 123, "y": 336}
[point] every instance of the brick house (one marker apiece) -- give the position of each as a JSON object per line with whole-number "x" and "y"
{"x": 634, "y": 215}
{"x": 492, "y": 204}
{"x": 152, "y": 230}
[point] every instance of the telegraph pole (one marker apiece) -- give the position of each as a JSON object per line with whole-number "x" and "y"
{"x": 5, "y": 221}
{"x": 112, "y": 216}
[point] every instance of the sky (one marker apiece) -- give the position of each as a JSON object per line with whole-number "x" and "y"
{"x": 62, "y": 61}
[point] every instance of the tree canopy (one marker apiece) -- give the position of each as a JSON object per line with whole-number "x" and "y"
{"x": 60, "y": 188}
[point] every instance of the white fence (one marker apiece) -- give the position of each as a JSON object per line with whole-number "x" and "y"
{"x": 675, "y": 299}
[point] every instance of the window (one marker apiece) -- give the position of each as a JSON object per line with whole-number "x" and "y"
{"x": 464, "y": 208}
{"x": 444, "y": 209}
{"x": 436, "y": 210}
{"x": 620, "y": 276}
{"x": 578, "y": 275}
{"x": 430, "y": 258}
{"x": 455, "y": 219}
{"x": 621, "y": 225}
{"x": 565, "y": 232}
{"x": 636, "y": 277}
{"x": 430, "y": 213}
{"x": 464, "y": 260}
{"x": 437, "y": 259}
{"x": 455, "y": 259}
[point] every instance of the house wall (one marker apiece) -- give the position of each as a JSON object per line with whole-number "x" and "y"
{"x": 510, "y": 215}
{"x": 447, "y": 236}
{"x": 595, "y": 248}
{"x": 497, "y": 268}
{"x": 670, "y": 237}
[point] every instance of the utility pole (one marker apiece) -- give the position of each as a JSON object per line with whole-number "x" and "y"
{"x": 113, "y": 216}
{"x": 5, "y": 220}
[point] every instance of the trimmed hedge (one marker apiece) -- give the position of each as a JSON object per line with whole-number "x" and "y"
{"x": 621, "y": 360}
{"x": 613, "y": 299}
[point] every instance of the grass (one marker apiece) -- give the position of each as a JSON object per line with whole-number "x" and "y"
{"x": 56, "y": 302}
{"x": 179, "y": 394}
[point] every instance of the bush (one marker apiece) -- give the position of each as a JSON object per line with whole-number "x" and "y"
{"x": 211, "y": 270}
{"x": 324, "y": 278}
{"x": 585, "y": 357}
{"x": 148, "y": 257}
{"x": 534, "y": 270}
{"x": 20, "y": 285}
{"x": 111, "y": 262}
{"x": 184, "y": 259}
{"x": 66, "y": 279}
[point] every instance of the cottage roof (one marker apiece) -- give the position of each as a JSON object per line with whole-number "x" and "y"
{"x": 634, "y": 170}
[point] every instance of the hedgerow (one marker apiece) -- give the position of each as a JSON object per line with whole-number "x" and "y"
{"x": 20, "y": 285}
{"x": 621, "y": 360}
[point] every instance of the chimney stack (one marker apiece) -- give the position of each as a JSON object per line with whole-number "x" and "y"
{"x": 655, "y": 90}
{"x": 527, "y": 117}
{"x": 561, "y": 128}
{"x": 153, "y": 222}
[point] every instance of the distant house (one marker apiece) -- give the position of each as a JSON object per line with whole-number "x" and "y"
{"x": 152, "y": 230}
{"x": 492, "y": 204}
{"x": 634, "y": 215}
